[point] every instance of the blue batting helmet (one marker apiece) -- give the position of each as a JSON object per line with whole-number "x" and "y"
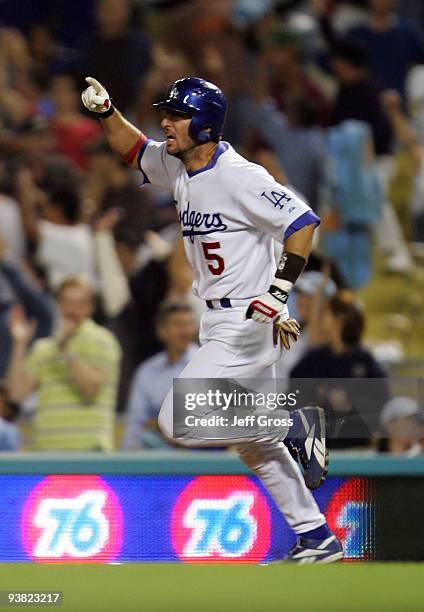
{"x": 203, "y": 101}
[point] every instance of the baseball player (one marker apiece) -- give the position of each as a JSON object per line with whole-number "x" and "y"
{"x": 231, "y": 211}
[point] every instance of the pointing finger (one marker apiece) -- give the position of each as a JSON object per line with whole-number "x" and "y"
{"x": 97, "y": 86}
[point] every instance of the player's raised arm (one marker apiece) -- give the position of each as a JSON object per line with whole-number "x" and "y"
{"x": 123, "y": 137}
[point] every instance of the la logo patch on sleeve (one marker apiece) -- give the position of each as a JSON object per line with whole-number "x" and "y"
{"x": 277, "y": 198}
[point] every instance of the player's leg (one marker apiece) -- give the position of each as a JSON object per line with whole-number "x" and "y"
{"x": 281, "y": 475}
{"x": 272, "y": 463}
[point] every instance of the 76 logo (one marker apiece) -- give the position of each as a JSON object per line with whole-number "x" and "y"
{"x": 76, "y": 526}
{"x": 223, "y": 527}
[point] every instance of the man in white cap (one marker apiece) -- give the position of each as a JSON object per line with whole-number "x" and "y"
{"x": 399, "y": 421}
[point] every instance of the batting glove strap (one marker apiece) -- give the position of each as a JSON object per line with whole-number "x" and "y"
{"x": 279, "y": 294}
{"x": 264, "y": 308}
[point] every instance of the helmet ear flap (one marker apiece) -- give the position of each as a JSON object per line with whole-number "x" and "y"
{"x": 203, "y": 136}
{"x": 198, "y": 130}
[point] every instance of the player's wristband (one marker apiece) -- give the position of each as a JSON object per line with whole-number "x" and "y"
{"x": 290, "y": 267}
{"x": 288, "y": 271}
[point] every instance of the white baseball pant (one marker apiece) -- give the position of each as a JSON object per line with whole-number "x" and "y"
{"x": 233, "y": 347}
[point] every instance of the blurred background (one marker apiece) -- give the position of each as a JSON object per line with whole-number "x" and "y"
{"x": 96, "y": 311}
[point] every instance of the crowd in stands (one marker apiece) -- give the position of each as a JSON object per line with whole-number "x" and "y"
{"x": 96, "y": 311}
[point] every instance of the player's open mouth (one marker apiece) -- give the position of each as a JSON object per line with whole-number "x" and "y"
{"x": 170, "y": 138}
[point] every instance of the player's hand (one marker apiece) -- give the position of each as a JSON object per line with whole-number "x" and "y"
{"x": 288, "y": 331}
{"x": 95, "y": 98}
{"x": 264, "y": 308}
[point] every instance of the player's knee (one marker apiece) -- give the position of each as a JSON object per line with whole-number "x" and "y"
{"x": 256, "y": 454}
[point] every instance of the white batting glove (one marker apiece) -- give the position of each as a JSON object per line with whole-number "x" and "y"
{"x": 95, "y": 98}
{"x": 264, "y": 308}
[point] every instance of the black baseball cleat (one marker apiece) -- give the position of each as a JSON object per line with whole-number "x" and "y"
{"x": 307, "y": 444}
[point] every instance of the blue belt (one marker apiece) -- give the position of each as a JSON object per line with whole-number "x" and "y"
{"x": 223, "y": 302}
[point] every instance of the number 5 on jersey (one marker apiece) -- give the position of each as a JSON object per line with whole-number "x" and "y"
{"x": 218, "y": 266}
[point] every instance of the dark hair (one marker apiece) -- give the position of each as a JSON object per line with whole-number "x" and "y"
{"x": 61, "y": 182}
{"x": 67, "y": 200}
{"x": 353, "y": 52}
{"x": 347, "y": 307}
{"x": 170, "y": 307}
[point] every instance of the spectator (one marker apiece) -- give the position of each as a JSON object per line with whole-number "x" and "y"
{"x": 12, "y": 227}
{"x": 400, "y": 423}
{"x": 353, "y": 407}
{"x": 36, "y": 146}
{"x": 64, "y": 245}
{"x": 167, "y": 275}
{"x": 15, "y": 64}
{"x": 12, "y": 237}
{"x": 356, "y": 201}
{"x": 10, "y": 436}
{"x": 216, "y": 52}
{"x": 167, "y": 67}
{"x": 75, "y": 372}
{"x": 114, "y": 289}
{"x": 115, "y": 53}
{"x": 299, "y": 145}
{"x": 175, "y": 327}
{"x": 312, "y": 292}
{"x": 49, "y": 55}
{"x": 407, "y": 136}
{"x": 392, "y": 42}
{"x": 112, "y": 185}
{"x": 357, "y": 97}
{"x": 72, "y": 130}
{"x": 23, "y": 291}
{"x": 284, "y": 65}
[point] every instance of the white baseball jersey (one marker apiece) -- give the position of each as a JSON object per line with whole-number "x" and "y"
{"x": 230, "y": 212}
